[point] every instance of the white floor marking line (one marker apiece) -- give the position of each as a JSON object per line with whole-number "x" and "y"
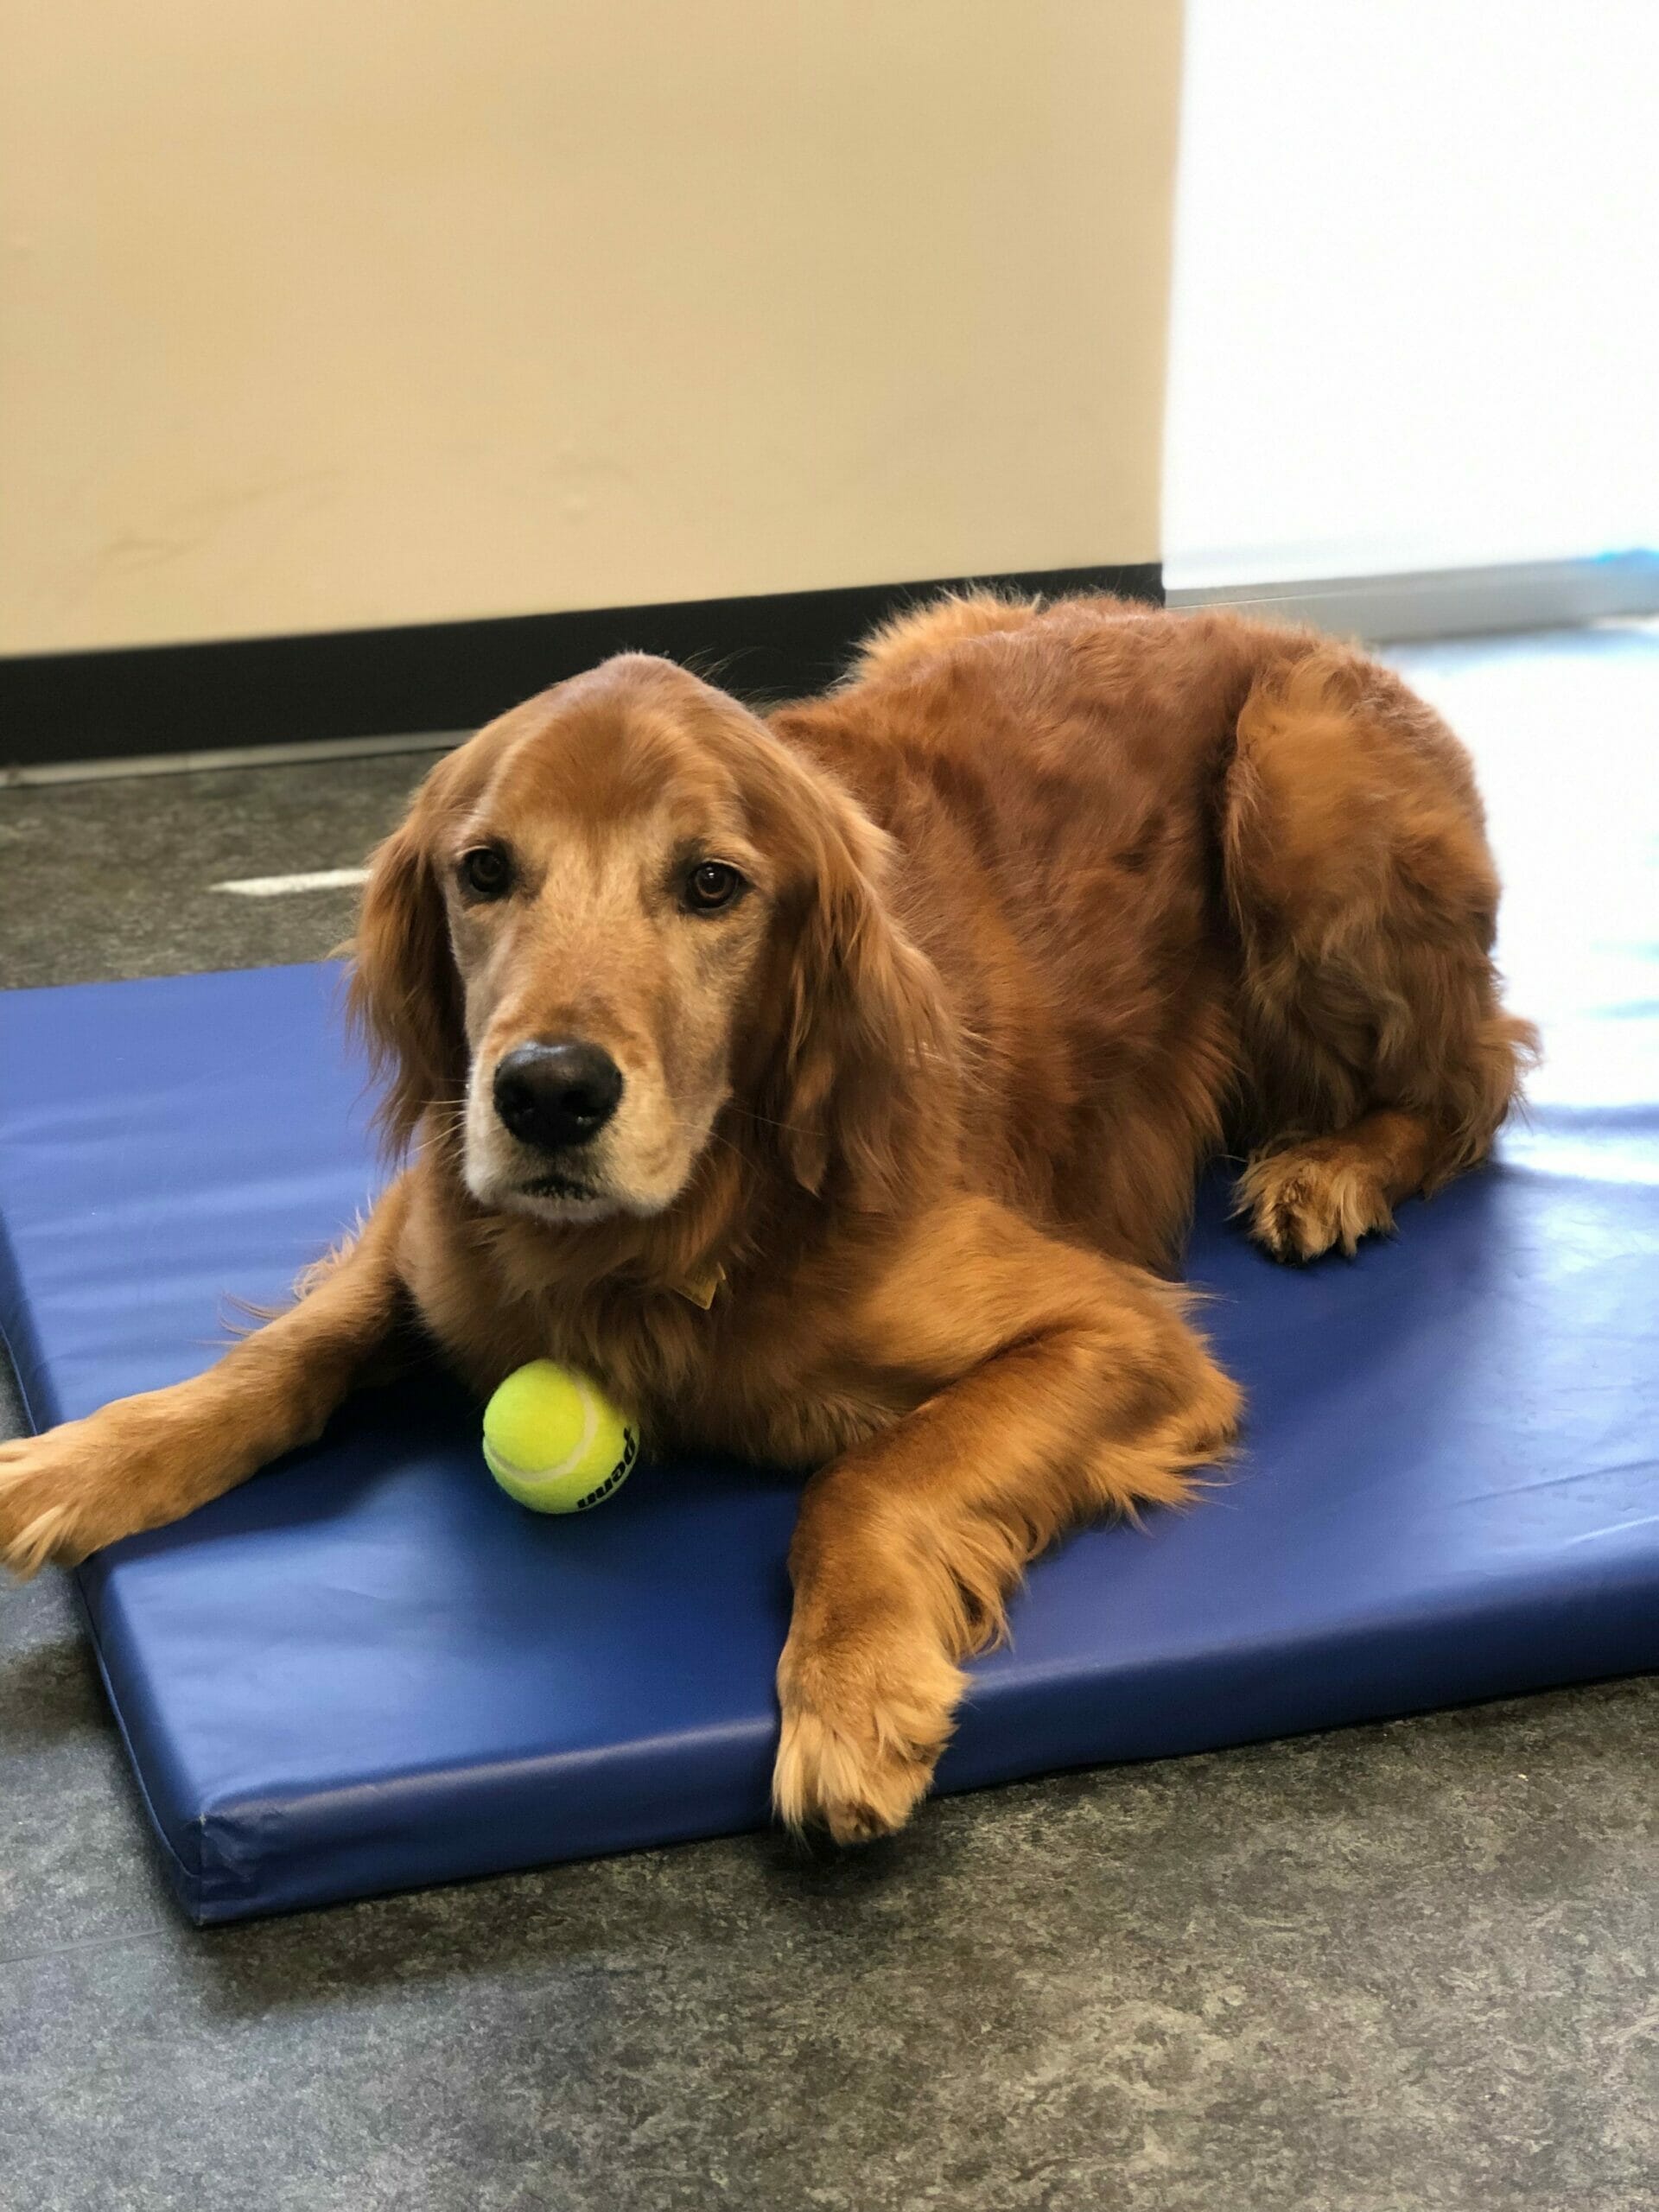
{"x": 278, "y": 886}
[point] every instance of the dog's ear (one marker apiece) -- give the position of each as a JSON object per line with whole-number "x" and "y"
{"x": 406, "y": 993}
{"x": 865, "y": 1061}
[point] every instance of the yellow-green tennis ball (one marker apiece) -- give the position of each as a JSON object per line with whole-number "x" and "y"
{"x": 554, "y": 1441}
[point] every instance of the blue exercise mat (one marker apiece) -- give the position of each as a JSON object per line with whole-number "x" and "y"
{"x": 366, "y": 1669}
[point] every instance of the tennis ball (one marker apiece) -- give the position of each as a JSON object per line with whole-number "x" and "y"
{"x": 554, "y": 1441}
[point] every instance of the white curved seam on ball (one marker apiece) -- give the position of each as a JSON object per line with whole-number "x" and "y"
{"x": 590, "y": 1423}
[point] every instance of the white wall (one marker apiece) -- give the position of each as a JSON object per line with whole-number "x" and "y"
{"x": 1416, "y": 317}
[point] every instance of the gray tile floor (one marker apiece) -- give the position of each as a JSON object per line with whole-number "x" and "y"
{"x": 1396, "y": 1969}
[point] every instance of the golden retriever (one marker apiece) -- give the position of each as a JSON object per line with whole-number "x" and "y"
{"x": 832, "y": 1086}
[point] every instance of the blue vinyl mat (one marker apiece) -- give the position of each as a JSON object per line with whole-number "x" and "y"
{"x": 367, "y": 1669}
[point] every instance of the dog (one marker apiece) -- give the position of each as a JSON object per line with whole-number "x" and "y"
{"x": 831, "y": 1087}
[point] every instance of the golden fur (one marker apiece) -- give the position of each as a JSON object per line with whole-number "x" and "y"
{"x": 1047, "y": 907}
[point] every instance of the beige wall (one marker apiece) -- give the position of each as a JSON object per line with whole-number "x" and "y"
{"x": 319, "y": 315}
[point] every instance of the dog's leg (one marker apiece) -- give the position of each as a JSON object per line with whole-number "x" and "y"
{"x": 144, "y": 1461}
{"x": 1379, "y": 1058}
{"x": 1072, "y": 1388}
{"x": 1310, "y": 1197}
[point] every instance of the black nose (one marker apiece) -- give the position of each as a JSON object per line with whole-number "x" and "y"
{"x": 553, "y": 1095}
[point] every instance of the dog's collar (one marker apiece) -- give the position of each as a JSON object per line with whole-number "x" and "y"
{"x": 703, "y": 1288}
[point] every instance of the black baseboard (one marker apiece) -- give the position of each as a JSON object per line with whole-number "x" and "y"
{"x": 441, "y": 675}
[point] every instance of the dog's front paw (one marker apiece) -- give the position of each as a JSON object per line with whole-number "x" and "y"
{"x": 1303, "y": 1202}
{"x": 863, "y": 1726}
{"x": 54, "y": 1501}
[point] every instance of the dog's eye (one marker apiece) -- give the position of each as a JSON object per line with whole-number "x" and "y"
{"x": 486, "y": 871}
{"x": 712, "y": 885}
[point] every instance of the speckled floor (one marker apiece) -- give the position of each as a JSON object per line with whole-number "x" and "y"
{"x": 1396, "y": 1969}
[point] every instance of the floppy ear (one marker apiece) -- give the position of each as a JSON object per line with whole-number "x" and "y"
{"x": 865, "y": 1064}
{"x": 405, "y": 994}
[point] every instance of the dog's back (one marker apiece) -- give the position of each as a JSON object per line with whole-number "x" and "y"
{"x": 1077, "y": 794}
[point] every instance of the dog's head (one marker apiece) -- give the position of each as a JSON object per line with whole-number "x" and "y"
{"x": 624, "y": 911}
